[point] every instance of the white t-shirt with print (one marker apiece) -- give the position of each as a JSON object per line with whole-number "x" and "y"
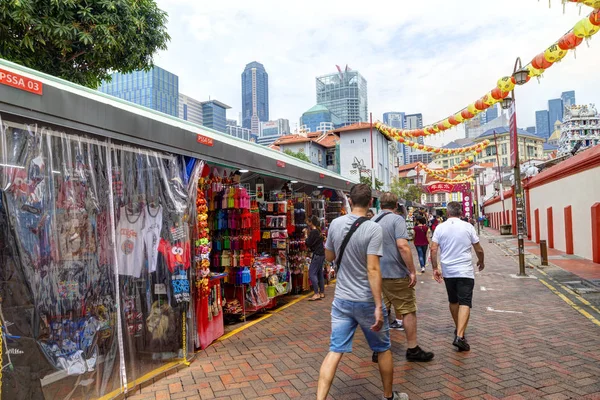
{"x": 130, "y": 243}
{"x": 152, "y": 228}
{"x": 455, "y": 239}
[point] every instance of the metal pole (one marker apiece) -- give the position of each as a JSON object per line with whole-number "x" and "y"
{"x": 477, "y": 197}
{"x": 518, "y": 193}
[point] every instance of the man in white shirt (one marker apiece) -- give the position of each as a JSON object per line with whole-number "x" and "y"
{"x": 454, "y": 239}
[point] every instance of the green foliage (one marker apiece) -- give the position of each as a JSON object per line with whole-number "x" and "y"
{"x": 300, "y": 155}
{"x": 405, "y": 189}
{"x": 367, "y": 181}
{"x": 82, "y": 41}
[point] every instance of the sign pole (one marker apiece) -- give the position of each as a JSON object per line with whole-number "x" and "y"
{"x": 518, "y": 189}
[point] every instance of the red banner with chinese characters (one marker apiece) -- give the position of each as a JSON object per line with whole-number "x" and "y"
{"x": 464, "y": 188}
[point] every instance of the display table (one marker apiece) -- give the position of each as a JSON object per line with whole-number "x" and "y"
{"x": 209, "y": 329}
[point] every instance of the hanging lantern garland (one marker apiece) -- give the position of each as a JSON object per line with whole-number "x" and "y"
{"x": 462, "y": 165}
{"x": 395, "y": 134}
{"x": 458, "y": 179}
{"x": 584, "y": 29}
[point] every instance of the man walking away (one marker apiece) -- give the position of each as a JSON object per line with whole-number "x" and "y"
{"x": 454, "y": 239}
{"x": 399, "y": 275}
{"x": 355, "y": 243}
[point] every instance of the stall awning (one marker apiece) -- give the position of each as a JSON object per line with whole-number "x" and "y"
{"x": 67, "y": 105}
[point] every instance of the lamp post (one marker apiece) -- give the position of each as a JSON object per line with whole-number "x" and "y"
{"x": 520, "y": 77}
{"x": 360, "y": 165}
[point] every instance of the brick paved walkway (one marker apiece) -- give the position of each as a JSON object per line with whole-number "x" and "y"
{"x": 543, "y": 349}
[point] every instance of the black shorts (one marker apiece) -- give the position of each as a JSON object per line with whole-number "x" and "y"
{"x": 460, "y": 290}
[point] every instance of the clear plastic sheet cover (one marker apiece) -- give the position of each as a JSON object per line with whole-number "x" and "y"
{"x": 94, "y": 263}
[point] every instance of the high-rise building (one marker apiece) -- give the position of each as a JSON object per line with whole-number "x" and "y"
{"x": 568, "y": 98}
{"x": 232, "y": 122}
{"x": 530, "y": 129}
{"x": 278, "y": 127}
{"x": 157, "y": 89}
{"x": 214, "y": 115}
{"x": 555, "y": 111}
{"x": 394, "y": 119}
{"x": 491, "y": 113}
{"x": 190, "y": 109}
{"x": 344, "y": 94}
{"x": 255, "y": 96}
{"x": 313, "y": 118}
{"x": 411, "y": 121}
{"x": 542, "y": 124}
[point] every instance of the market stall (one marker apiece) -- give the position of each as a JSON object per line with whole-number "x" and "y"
{"x": 104, "y": 279}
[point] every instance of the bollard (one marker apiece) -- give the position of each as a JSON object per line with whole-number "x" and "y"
{"x": 544, "y": 252}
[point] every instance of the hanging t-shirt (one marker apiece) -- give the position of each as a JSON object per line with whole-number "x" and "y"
{"x": 130, "y": 243}
{"x": 176, "y": 255}
{"x": 152, "y": 228}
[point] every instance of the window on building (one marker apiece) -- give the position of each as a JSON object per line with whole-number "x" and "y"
{"x": 504, "y": 149}
{"x": 330, "y": 159}
{"x": 352, "y": 141}
{"x": 490, "y": 151}
{"x": 364, "y": 140}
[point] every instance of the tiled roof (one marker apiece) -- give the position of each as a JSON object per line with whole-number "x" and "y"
{"x": 274, "y": 147}
{"x": 328, "y": 139}
{"x": 290, "y": 139}
{"x": 550, "y": 147}
{"x": 354, "y": 127}
{"x": 408, "y": 167}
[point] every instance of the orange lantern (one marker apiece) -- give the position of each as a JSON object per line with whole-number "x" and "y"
{"x": 595, "y": 18}
{"x": 466, "y": 114}
{"x": 540, "y": 62}
{"x": 480, "y": 105}
{"x": 569, "y": 41}
{"x": 453, "y": 120}
{"x": 441, "y": 126}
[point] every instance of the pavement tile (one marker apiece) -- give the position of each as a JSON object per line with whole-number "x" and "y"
{"x": 514, "y": 356}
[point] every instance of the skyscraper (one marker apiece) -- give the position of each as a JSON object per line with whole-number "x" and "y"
{"x": 530, "y": 129}
{"x": 214, "y": 115}
{"x": 157, "y": 89}
{"x": 190, "y": 109}
{"x": 568, "y": 98}
{"x": 542, "y": 124}
{"x": 255, "y": 96}
{"x": 412, "y": 121}
{"x": 345, "y": 94}
{"x": 555, "y": 111}
{"x": 394, "y": 119}
{"x": 491, "y": 113}
{"x": 314, "y": 118}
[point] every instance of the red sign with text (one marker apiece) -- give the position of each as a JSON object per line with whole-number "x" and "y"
{"x": 280, "y": 164}
{"x": 440, "y": 188}
{"x": 20, "y": 82}
{"x": 205, "y": 140}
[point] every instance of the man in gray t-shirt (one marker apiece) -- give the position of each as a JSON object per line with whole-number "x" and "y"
{"x": 399, "y": 275}
{"x": 358, "y": 300}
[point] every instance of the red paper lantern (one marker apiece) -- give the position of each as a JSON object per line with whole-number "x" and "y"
{"x": 480, "y": 105}
{"x": 466, "y": 114}
{"x": 499, "y": 94}
{"x": 569, "y": 41}
{"x": 431, "y": 130}
{"x": 595, "y": 18}
{"x": 540, "y": 62}
{"x": 453, "y": 120}
{"x": 419, "y": 132}
{"x": 441, "y": 126}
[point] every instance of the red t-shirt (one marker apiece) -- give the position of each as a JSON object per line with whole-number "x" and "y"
{"x": 421, "y": 235}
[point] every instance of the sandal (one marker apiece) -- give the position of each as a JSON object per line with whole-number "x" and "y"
{"x": 314, "y": 298}
{"x": 322, "y": 295}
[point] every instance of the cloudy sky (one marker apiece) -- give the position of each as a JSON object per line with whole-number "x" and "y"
{"x": 432, "y": 57}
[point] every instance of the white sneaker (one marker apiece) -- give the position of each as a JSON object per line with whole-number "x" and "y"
{"x": 422, "y": 270}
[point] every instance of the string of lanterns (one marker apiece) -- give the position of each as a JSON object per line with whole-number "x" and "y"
{"x": 462, "y": 165}
{"x": 458, "y": 179}
{"x": 584, "y": 29}
{"x": 392, "y": 133}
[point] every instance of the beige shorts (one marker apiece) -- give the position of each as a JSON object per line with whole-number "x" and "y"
{"x": 397, "y": 293}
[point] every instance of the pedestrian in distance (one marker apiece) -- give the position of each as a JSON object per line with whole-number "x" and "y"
{"x": 314, "y": 242}
{"x": 356, "y": 245}
{"x": 370, "y": 214}
{"x": 422, "y": 239}
{"x": 453, "y": 240}
{"x": 399, "y": 275}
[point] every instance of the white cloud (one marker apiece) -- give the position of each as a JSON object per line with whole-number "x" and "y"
{"x": 432, "y": 57}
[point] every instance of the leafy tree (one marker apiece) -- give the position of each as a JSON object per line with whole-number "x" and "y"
{"x": 82, "y": 41}
{"x": 300, "y": 155}
{"x": 367, "y": 181}
{"x": 405, "y": 189}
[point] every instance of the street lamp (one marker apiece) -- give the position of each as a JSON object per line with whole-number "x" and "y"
{"x": 520, "y": 77}
{"x": 360, "y": 165}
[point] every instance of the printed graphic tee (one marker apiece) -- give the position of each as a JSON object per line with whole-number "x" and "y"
{"x": 130, "y": 243}
{"x": 152, "y": 228}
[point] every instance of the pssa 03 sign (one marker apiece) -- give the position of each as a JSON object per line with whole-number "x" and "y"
{"x": 20, "y": 82}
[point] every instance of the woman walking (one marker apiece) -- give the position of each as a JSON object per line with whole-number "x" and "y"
{"x": 422, "y": 241}
{"x": 314, "y": 242}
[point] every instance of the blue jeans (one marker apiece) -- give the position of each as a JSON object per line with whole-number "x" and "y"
{"x": 315, "y": 273}
{"x": 422, "y": 251}
{"x": 346, "y": 316}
